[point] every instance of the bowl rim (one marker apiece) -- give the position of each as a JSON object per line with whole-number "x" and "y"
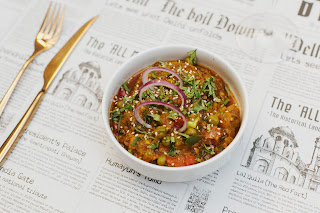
{"x": 236, "y": 140}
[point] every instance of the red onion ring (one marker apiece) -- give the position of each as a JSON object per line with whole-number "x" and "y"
{"x": 140, "y": 120}
{"x": 151, "y": 84}
{"x": 145, "y": 74}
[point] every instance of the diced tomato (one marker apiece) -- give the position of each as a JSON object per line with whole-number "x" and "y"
{"x": 179, "y": 122}
{"x": 175, "y": 161}
{"x": 122, "y": 93}
{"x": 214, "y": 133}
{"x": 190, "y": 160}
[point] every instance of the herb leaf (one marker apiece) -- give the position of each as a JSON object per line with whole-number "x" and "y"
{"x": 135, "y": 140}
{"x": 125, "y": 86}
{"x": 193, "y": 57}
{"x": 154, "y": 146}
{"x": 198, "y": 107}
{"x": 144, "y": 132}
{"x": 155, "y": 117}
{"x": 173, "y": 115}
{"x": 173, "y": 151}
{"x": 207, "y": 150}
{"x": 154, "y": 74}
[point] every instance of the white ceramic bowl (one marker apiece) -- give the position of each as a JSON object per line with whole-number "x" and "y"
{"x": 208, "y": 59}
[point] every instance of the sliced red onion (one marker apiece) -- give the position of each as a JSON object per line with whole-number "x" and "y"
{"x": 145, "y": 74}
{"x": 140, "y": 120}
{"x": 151, "y": 84}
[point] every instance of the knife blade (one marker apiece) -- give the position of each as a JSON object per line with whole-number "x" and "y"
{"x": 49, "y": 74}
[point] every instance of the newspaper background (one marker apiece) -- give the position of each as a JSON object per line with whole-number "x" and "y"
{"x": 63, "y": 162}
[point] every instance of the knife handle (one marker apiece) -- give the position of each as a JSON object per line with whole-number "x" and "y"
{"x": 9, "y": 92}
{"x": 21, "y": 126}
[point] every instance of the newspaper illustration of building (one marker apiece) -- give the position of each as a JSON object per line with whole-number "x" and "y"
{"x": 276, "y": 155}
{"x": 81, "y": 86}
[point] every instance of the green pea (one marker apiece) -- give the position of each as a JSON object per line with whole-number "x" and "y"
{"x": 120, "y": 104}
{"x": 160, "y": 132}
{"x": 162, "y": 160}
{"x": 166, "y": 141}
{"x": 213, "y": 119}
{"x": 191, "y": 131}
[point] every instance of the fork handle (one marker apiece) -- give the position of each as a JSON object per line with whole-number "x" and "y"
{"x": 21, "y": 126}
{"x": 8, "y": 94}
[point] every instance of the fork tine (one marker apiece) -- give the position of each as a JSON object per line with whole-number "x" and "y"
{"x": 49, "y": 25}
{"x": 53, "y": 27}
{"x": 59, "y": 27}
{"x": 44, "y": 23}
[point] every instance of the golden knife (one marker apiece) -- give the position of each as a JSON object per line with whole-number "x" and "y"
{"x": 48, "y": 75}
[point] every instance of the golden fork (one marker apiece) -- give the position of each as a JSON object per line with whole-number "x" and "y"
{"x": 47, "y": 37}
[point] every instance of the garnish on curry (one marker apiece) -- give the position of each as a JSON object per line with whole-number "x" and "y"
{"x": 175, "y": 113}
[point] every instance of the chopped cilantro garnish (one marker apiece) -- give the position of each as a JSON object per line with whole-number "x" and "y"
{"x": 135, "y": 140}
{"x": 125, "y": 86}
{"x": 187, "y": 79}
{"x": 209, "y": 87}
{"x": 115, "y": 114}
{"x": 154, "y": 74}
{"x": 193, "y": 57}
{"x": 155, "y": 117}
{"x": 154, "y": 146}
{"x": 162, "y": 64}
{"x": 173, "y": 151}
{"x": 197, "y": 93}
{"x": 144, "y": 95}
{"x": 143, "y": 132}
{"x": 128, "y": 106}
{"x": 173, "y": 115}
{"x": 207, "y": 150}
{"x": 165, "y": 99}
{"x": 198, "y": 107}
{"x": 151, "y": 95}
{"x": 162, "y": 93}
